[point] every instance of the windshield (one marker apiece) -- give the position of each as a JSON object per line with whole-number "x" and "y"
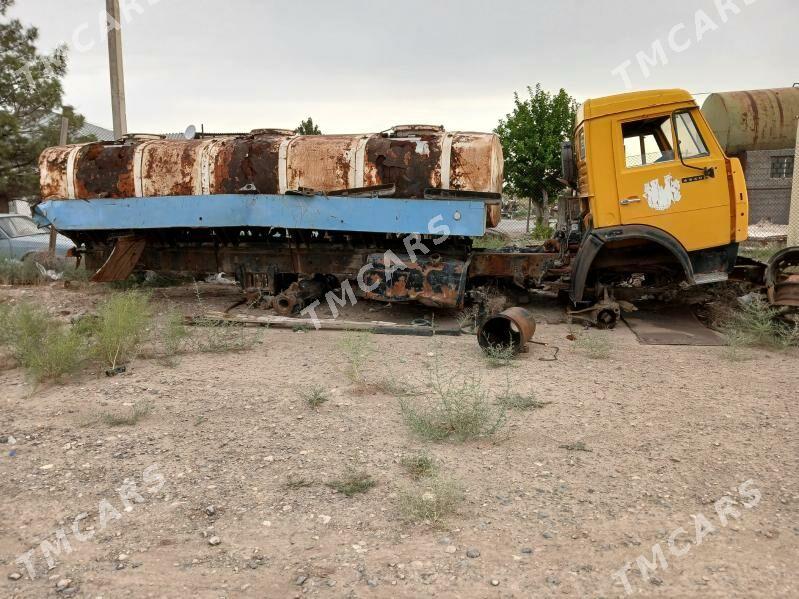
{"x": 18, "y": 226}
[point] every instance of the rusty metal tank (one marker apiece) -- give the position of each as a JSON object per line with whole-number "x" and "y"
{"x": 745, "y": 121}
{"x": 413, "y": 158}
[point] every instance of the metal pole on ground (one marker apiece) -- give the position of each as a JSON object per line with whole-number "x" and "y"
{"x": 114, "y": 28}
{"x": 793, "y": 217}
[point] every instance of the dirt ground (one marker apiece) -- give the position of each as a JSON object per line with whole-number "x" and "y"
{"x": 669, "y": 433}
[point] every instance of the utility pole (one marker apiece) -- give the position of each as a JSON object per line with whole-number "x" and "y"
{"x": 63, "y": 138}
{"x": 114, "y": 28}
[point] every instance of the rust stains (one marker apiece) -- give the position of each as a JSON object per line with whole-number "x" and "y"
{"x": 171, "y": 168}
{"x": 321, "y": 162}
{"x": 431, "y": 281}
{"x": 251, "y": 161}
{"x": 104, "y": 171}
{"x": 411, "y": 164}
{"x": 53, "y": 172}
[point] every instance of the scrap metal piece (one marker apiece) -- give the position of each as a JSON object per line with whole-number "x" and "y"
{"x": 430, "y": 280}
{"x": 372, "y": 191}
{"x": 122, "y": 261}
{"x": 602, "y": 315}
{"x": 782, "y": 278}
{"x": 513, "y": 328}
{"x": 299, "y": 294}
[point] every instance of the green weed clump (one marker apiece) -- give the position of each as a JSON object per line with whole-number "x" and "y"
{"x": 45, "y": 347}
{"x": 139, "y": 410}
{"x": 357, "y": 346}
{"x": 14, "y": 272}
{"x": 353, "y": 483}
{"x": 431, "y": 503}
{"x": 314, "y": 396}
{"x": 457, "y": 408}
{"x": 121, "y": 327}
{"x": 418, "y": 466}
{"x": 757, "y": 324}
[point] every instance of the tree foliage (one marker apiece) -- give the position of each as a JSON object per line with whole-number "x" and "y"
{"x": 308, "y": 127}
{"x": 30, "y": 103}
{"x": 531, "y": 136}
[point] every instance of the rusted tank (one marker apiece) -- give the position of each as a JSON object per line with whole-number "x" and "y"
{"x": 413, "y": 158}
{"x": 753, "y": 120}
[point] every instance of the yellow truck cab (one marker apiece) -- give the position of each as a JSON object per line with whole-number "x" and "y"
{"x": 656, "y": 192}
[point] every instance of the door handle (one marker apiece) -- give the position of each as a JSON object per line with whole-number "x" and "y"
{"x": 628, "y": 201}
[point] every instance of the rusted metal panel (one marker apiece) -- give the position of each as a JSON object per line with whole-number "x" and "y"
{"x": 104, "y": 171}
{"x": 322, "y": 162}
{"x": 520, "y": 266}
{"x": 411, "y": 164}
{"x": 476, "y": 162}
{"x": 53, "y": 172}
{"x": 170, "y": 167}
{"x": 247, "y": 163}
{"x": 122, "y": 261}
{"x": 434, "y": 281}
{"x": 746, "y": 121}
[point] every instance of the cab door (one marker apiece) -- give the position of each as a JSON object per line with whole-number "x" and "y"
{"x": 668, "y": 177}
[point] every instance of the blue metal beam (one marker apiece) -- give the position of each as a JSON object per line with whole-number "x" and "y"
{"x": 463, "y": 217}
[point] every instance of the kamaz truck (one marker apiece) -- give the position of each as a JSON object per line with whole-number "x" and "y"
{"x": 651, "y": 204}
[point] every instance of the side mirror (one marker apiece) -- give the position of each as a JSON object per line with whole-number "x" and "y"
{"x": 568, "y": 166}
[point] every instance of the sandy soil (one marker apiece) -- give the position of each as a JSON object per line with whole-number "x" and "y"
{"x": 671, "y": 432}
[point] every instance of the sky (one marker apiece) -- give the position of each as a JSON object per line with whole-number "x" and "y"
{"x": 366, "y": 65}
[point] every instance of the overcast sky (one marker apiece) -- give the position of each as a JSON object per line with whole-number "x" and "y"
{"x": 365, "y": 65}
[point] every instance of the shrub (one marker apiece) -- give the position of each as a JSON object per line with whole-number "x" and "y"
{"x": 219, "y": 336}
{"x": 758, "y": 324}
{"x": 431, "y": 503}
{"x": 458, "y": 409}
{"x": 419, "y": 466}
{"x": 500, "y": 356}
{"x": 353, "y": 483}
{"x": 521, "y": 401}
{"x": 130, "y": 417}
{"x": 14, "y": 272}
{"x": 173, "y": 333}
{"x": 46, "y": 348}
{"x": 357, "y": 346}
{"x": 314, "y": 396}
{"x": 121, "y": 326}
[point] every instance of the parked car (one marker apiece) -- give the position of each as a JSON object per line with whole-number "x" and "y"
{"x": 21, "y": 238}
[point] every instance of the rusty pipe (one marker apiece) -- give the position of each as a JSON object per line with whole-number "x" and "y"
{"x": 512, "y": 328}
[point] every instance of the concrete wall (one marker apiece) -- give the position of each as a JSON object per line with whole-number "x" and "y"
{"x": 769, "y": 199}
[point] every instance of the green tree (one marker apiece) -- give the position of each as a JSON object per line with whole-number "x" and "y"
{"x": 30, "y": 103}
{"x": 308, "y": 127}
{"x": 531, "y": 136}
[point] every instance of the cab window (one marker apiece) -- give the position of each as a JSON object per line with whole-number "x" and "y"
{"x": 689, "y": 139}
{"x": 648, "y": 141}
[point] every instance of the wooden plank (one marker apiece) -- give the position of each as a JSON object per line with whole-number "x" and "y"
{"x": 286, "y": 322}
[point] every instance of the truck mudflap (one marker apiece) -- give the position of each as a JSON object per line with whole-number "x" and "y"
{"x": 782, "y": 278}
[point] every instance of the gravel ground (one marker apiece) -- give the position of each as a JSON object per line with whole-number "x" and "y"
{"x": 220, "y": 491}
